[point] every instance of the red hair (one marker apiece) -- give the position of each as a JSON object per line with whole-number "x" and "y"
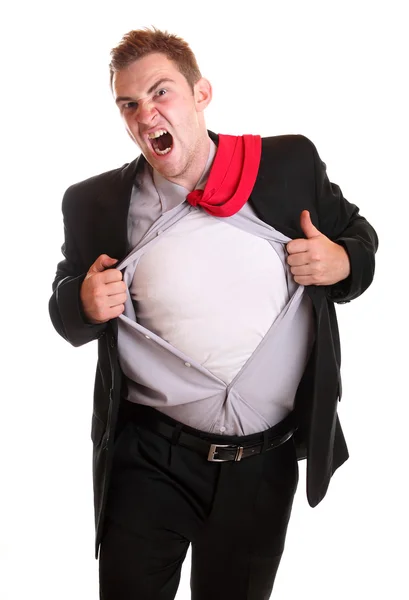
{"x": 141, "y": 42}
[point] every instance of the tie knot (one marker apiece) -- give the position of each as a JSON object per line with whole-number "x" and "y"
{"x": 194, "y": 197}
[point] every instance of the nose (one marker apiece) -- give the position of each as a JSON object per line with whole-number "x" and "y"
{"x": 146, "y": 112}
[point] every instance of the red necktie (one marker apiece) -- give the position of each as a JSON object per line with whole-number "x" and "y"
{"x": 232, "y": 176}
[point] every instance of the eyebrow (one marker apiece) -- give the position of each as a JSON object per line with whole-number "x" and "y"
{"x": 151, "y": 89}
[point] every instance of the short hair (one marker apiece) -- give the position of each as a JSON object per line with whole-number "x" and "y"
{"x": 140, "y": 42}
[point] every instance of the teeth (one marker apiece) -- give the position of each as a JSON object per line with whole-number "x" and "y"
{"x": 157, "y": 134}
{"x": 163, "y": 151}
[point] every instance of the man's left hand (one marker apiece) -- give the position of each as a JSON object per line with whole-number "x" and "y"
{"x": 316, "y": 260}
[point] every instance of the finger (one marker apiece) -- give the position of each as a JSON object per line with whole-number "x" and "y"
{"x": 303, "y": 279}
{"x": 307, "y": 225}
{"x": 116, "y": 311}
{"x": 108, "y": 314}
{"x": 103, "y": 262}
{"x": 116, "y": 300}
{"x": 304, "y": 270}
{"x": 298, "y": 245}
{"x": 110, "y": 276}
{"x": 298, "y": 259}
{"x": 309, "y": 280}
{"x": 116, "y": 287}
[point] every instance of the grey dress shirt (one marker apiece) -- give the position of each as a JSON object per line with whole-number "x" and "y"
{"x": 160, "y": 375}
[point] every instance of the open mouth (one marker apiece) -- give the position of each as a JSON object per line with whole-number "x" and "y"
{"x": 161, "y": 142}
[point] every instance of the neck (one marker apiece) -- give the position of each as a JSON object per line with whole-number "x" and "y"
{"x": 195, "y": 169}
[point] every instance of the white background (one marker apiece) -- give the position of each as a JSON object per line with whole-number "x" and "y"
{"x": 333, "y": 71}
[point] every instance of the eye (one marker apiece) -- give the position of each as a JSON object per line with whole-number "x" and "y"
{"x": 161, "y": 92}
{"x": 129, "y": 105}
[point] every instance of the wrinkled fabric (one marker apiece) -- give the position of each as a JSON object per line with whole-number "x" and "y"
{"x": 260, "y": 395}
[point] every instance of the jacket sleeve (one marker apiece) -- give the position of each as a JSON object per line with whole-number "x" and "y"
{"x": 341, "y": 222}
{"x": 65, "y": 305}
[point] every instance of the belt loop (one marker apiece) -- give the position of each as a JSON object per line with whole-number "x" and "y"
{"x": 265, "y": 441}
{"x": 174, "y": 440}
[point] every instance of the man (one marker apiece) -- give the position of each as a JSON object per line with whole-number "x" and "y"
{"x": 207, "y": 269}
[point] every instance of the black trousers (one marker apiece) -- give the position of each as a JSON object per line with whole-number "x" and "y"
{"x": 164, "y": 497}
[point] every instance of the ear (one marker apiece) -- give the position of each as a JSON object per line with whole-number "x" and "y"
{"x": 202, "y": 93}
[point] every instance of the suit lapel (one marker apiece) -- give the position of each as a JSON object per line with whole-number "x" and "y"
{"x": 112, "y": 210}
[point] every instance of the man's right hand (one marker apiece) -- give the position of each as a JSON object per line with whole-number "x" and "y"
{"x": 103, "y": 293}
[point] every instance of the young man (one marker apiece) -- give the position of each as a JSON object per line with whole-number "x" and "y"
{"x": 207, "y": 269}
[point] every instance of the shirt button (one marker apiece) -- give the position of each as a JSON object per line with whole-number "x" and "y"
{"x": 159, "y": 232}
{"x": 187, "y": 364}
{"x": 147, "y": 337}
{"x": 222, "y": 429}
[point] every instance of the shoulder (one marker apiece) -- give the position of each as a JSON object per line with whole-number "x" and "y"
{"x": 100, "y": 184}
{"x": 285, "y": 146}
{"x": 288, "y": 156}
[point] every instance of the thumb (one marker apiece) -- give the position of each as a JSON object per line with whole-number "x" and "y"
{"x": 307, "y": 226}
{"x": 103, "y": 262}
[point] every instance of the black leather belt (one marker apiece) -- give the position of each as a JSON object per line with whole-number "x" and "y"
{"x": 221, "y": 452}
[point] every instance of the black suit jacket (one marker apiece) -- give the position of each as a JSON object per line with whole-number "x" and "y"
{"x": 291, "y": 178}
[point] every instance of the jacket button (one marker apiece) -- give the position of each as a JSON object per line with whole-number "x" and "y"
{"x": 112, "y": 343}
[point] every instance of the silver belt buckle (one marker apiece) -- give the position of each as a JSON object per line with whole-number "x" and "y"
{"x": 213, "y": 451}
